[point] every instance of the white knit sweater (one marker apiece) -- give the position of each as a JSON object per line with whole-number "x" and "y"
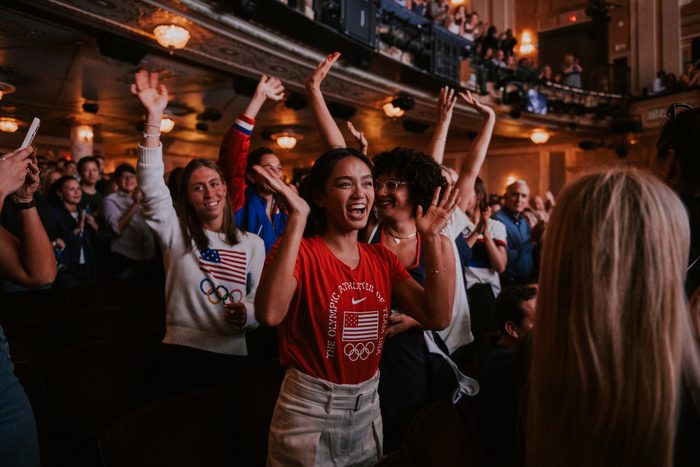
{"x": 199, "y": 282}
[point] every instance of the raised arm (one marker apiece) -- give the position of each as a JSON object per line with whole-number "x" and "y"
{"x": 154, "y": 97}
{"x": 233, "y": 154}
{"x": 431, "y": 305}
{"x": 472, "y": 162}
{"x": 359, "y": 137}
{"x": 330, "y": 133}
{"x": 28, "y": 261}
{"x": 445, "y": 105}
{"x": 277, "y": 284}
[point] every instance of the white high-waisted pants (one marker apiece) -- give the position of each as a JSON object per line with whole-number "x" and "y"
{"x": 324, "y": 424}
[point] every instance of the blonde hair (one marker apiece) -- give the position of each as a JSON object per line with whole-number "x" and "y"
{"x": 612, "y": 342}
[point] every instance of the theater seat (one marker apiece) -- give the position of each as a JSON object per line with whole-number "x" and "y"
{"x": 395, "y": 459}
{"x": 83, "y": 327}
{"x": 437, "y": 438}
{"x": 184, "y": 431}
{"x": 33, "y": 304}
{"x": 90, "y": 387}
{"x": 249, "y": 399}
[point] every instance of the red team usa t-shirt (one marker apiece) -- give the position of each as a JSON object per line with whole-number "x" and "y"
{"x": 337, "y": 320}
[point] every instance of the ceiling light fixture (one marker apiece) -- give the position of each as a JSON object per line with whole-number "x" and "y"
{"x": 171, "y": 36}
{"x": 286, "y": 139}
{"x": 166, "y": 125}
{"x": 6, "y": 88}
{"x": 8, "y": 125}
{"x": 392, "y": 111}
{"x": 539, "y": 136}
{"x": 286, "y": 142}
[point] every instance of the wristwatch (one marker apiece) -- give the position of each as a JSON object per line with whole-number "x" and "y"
{"x": 23, "y": 206}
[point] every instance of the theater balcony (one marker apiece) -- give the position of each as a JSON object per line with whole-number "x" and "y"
{"x": 71, "y": 61}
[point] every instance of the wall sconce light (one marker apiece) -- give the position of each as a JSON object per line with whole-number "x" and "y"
{"x": 166, "y": 125}
{"x": 85, "y": 133}
{"x": 510, "y": 180}
{"x": 8, "y": 125}
{"x": 392, "y": 111}
{"x": 171, "y": 36}
{"x": 539, "y": 136}
{"x": 526, "y": 46}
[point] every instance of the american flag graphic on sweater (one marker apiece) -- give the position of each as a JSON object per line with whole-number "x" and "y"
{"x": 225, "y": 265}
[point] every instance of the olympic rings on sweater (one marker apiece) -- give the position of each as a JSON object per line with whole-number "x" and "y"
{"x": 234, "y": 296}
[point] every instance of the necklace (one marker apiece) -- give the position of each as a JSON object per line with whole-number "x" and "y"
{"x": 398, "y": 239}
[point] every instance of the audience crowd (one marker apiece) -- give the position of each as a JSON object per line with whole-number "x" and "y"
{"x": 380, "y": 284}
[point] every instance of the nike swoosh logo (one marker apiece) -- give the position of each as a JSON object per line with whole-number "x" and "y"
{"x": 358, "y": 301}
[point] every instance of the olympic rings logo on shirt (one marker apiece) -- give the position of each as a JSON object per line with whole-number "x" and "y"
{"x": 360, "y": 351}
{"x": 233, "y": 296}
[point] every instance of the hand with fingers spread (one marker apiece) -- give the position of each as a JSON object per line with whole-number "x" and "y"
{"x": 435, "y": 219}
{"x": 484, "y": 110}
{"x": 295, "y": 205}
{"x": 313, "y": 82}
{"x": 152, "y": 94}
{"x": 445, "y": 104}
{"x": 20, "y": 175}
{"x": 359, "y": 137}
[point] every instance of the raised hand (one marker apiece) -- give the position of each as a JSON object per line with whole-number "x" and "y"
{"x": 445, "y": 104}
{"x": 359, "y": 137}
{"x": 484, "y": 110}
{"x": 313, "y": 82}
{"x": 271, "y": 182}
{"x": 438, "y": 214}
{"x": 152, "y": 94}
{"x": 20, "y": 175}
{"x": 270, "y": 88}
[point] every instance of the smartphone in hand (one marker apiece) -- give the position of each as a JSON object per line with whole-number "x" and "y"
{"x": 31, "y": 133}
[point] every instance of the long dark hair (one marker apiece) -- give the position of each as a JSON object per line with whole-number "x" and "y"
{"x": 190, "y": 224}
{"x": 316, "y": 181}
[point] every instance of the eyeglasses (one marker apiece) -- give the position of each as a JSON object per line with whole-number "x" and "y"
{"x": 671, "y": 113}
{"x": 389, "y": 185}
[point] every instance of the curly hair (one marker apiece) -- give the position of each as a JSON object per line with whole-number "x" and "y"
{"x": 421, "y": 173}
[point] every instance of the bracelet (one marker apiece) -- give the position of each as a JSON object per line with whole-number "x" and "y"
{"x": 23, "y": 206}
{"x": 435, "y": 272}
{"x": 440, "y": 138}
{"x": 151, "y": 136}
{"x": 151, "y": 124}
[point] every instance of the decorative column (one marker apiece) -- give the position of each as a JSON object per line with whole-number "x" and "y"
{"x": 81, "y": 139}
{"x": 643, "y": 40}
{"x": 671, "y": 37}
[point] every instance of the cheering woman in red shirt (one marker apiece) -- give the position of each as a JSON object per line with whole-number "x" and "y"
{"x": 330, "y": 297}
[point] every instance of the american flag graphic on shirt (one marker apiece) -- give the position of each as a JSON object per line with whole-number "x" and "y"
{"x": 225, "y": 265}
{"x": 360, "y": 326}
